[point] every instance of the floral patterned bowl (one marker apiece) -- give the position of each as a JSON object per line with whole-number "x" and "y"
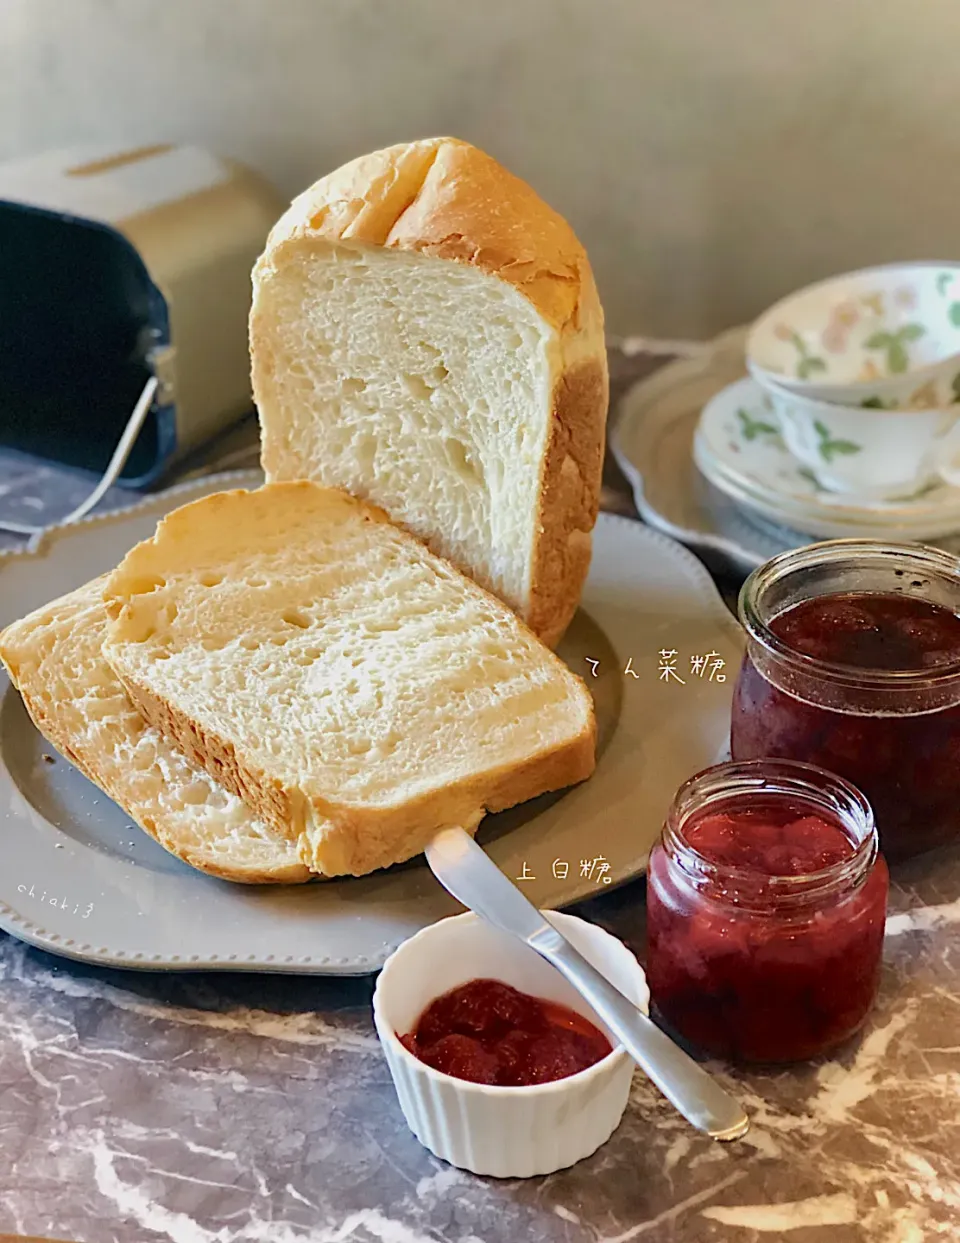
{"x": 886, "y": 337}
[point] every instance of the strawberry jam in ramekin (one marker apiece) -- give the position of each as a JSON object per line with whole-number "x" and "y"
{"x": 766, "y": 901}
{"x": 486, "y": 1031}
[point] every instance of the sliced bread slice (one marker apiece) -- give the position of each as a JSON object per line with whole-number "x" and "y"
{"x": 55, "y": 659}
{"x": 356, "y": 690}
{"x": 426, "y": 333}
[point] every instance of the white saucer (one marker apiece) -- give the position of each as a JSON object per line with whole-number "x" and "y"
{"x": 738, "y": 448}
{"x": 651, "y": 437}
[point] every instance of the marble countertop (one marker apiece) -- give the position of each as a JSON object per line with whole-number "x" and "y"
{"x": 206, "y": 1108}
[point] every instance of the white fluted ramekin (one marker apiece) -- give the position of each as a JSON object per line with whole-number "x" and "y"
{"x": 503, "y": 1131}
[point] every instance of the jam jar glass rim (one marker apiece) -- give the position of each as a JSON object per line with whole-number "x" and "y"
{"x": 721, "y": 783}
{"x": 838, "y": 551}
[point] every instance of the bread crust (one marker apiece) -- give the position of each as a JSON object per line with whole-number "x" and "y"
{"x": 569, "y": 500}
{"x": 444, "y": 198}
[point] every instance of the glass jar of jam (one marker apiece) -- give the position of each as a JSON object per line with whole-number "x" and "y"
{"x": 853, "y": 664}
{"x": 766, "y": 902}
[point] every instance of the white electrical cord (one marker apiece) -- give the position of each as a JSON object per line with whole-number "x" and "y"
{"x": 110, "y": 475}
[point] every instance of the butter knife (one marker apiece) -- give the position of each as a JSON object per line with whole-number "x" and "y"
{"x": 466, "y": 872}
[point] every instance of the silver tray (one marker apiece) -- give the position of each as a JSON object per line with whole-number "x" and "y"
{"x": 79, "y": 880}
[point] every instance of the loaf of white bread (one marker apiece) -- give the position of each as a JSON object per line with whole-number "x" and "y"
{"x": 287, "y": 683}
{"x": 426, "y": 334}
{"x": 55, "y": 658}
{"x": 355, "y": 690}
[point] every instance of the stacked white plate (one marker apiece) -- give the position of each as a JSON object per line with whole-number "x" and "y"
{"x": 738, "y": 448}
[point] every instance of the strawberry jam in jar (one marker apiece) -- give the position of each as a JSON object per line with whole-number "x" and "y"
{"x": 853, "y": 664}
{"x": 766, "y": 902}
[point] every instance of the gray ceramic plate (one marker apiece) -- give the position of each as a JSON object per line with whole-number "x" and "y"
{"x": 78, "y": 879}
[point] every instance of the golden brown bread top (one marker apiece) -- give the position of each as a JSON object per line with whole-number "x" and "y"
{"x": 447, "y": 199}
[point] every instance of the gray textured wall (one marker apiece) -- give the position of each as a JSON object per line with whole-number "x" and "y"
{"x": 712, "y": 154}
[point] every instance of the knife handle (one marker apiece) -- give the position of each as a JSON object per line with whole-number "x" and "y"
{"x": 701, "y": 1100}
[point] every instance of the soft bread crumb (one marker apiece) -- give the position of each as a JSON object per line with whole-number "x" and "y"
{"x": 426, "y": 334}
